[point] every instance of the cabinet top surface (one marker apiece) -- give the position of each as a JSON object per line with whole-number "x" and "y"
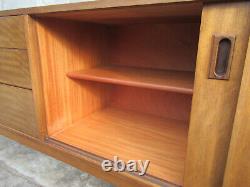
{"x": 91, "y": 5}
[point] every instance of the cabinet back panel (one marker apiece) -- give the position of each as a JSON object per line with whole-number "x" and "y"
{"x": 160, "y": 46}
{"x": 160, "y": 103}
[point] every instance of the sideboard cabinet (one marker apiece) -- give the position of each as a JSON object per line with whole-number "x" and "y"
{"x": 150, "y": 80}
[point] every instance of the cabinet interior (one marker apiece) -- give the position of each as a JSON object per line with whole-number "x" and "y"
{"x": 120, "y": 82}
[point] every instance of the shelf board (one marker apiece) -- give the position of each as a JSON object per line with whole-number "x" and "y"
{"x": 132, "y": 136}
{"x": 166, "y": 80}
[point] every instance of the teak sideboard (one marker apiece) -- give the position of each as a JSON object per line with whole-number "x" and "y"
{"x": 154, "y": 80}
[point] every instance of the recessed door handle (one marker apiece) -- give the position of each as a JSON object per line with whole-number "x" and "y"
{"x": 221, "y": 58}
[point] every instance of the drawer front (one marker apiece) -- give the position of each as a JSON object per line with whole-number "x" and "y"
{"x": 12, "y": 32}
{"x": 14, "y": 68}
{"x": 17, "y": 109}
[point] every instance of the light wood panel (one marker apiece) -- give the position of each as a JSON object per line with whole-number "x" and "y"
{"x": 36, "y": 75}
{"x": 12, "y": 34}
{"x": 131, "y": 135}
{"x": 95, "y": 5}
{"x": 133, "y": 14}
{"x": 17, "y": 109}
{"x": 62, "y": 51}
{"x": 171, "y": 46}
{"x": 214, "y": 101}
{"x": 158, "y": 103}
{"x": 14, "y": 68}
{"x": 238, "y": 164}
{"x": 173, "y": 81}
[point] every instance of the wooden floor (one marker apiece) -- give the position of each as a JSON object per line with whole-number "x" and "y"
{"x": 167, "y": 80}
{"x": 132, "y": 136}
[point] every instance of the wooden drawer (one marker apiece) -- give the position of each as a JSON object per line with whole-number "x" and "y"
{"x": 17, "y": 109}
{"x": 12, "y": 32}
{"x": 14, "y": 67}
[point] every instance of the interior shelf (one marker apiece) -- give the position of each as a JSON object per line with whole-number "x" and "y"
{"x": 167, "y": 80}
{"x": 132, "y": 135}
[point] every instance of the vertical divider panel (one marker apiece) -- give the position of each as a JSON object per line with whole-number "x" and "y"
{"x": 36, "y": 74}
{"x": 214, "y": 101}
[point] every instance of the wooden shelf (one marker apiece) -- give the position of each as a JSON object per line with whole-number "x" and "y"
{"x": 132, "y": 135}
{"x": 174, "y": 81}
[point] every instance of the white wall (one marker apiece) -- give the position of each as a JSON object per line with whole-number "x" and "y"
{"x": 13, "y": 4}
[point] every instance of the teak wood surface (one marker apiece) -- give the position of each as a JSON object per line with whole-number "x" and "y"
{"x": 67, "y": 100}
{"x": 62, "y": 105}
{"x": 173, "y": 81}
{"x": 17, "y": 109}
{"x": 238, "y": 163}
{"x": 214, "y": 101}
{"x": 12, "y": 32}
{"x": 71, "y": 157}
{"x": 162, "y": 44}
{"x": 36, "y": 75}
{"x": 128, "y": 134}
{"x": 132, "y": 14}
{"x": 148, "y": 101}
{"x": 14, "y": 68}
{"x": 100, "y": 4}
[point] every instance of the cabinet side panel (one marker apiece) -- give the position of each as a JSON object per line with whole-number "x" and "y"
{"x": 214, "y": 101}
{"x": 160, "y": 46}
{"x": 64, "y": 47}
{"x": 238, "y": 165}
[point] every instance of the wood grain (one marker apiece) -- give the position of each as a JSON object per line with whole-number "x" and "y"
{"x": 36, "y": 75}
{"x": 214, "y": 101}
{"x": 67, "y": 101}
{"x": 134, "y": 136}
{"x": 12, "y": 34}
{"x": 95, "y": 5}
{"x": 159, "y": 103}
{"x": 62, "y": 51}
{"x": 14, "y": 68}
{"x": 238, "y": 165}
{"x": 64, "y": 47}
{"x": 17, "y": 109}
{"x": 169, "y": 46}
{"x": 83, "y": 46}
{"x": 173, "y": 81}
{"x": 133, "y": 14}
